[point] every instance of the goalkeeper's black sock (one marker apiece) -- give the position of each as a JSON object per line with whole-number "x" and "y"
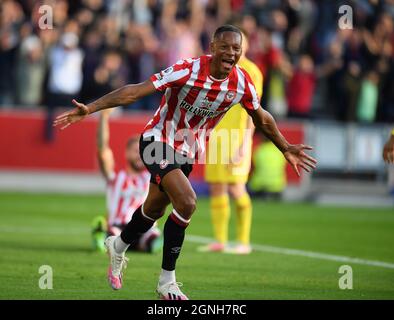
{"x": 138, "y": 225}
{"x": 174, "y": 234}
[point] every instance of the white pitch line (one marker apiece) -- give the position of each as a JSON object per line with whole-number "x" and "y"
{"x": 302, "y": 253}
{"x": 206, "y": 240}
{"x": 38, "y": 230}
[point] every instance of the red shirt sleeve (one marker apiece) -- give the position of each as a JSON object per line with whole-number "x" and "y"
{"x": 174, "y": 76}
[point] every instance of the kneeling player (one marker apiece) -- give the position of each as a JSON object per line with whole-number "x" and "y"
{"x": 126, "y": 191}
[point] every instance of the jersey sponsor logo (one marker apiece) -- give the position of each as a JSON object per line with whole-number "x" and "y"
{"x": 206, "y": 104}
{"x": 200, "y": 111}
{"x": 230, "y": 95}
{"x": 163, "y": 164}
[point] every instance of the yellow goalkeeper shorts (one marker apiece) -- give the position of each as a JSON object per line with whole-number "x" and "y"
{"x": 220, "y": 172}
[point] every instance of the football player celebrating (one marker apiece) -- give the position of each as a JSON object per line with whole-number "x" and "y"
{"x": 126, "y": 191}
{"x": 197, "y": 93}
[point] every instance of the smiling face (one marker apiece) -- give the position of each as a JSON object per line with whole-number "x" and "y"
{"x": 226, "y": 50}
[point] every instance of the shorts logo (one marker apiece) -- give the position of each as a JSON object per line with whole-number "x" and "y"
{"x": 158, "y": 179}
{"x": 230, "y": 95}
{"x": 175, "y": 250}
{"x": 163, "y": 164}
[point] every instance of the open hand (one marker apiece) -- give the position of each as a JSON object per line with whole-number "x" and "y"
{"x": 69, "y": 117}
{"x": 296, "y": 156}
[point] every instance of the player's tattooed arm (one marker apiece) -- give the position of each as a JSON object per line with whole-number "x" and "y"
{"x": 264, "y": 122}
{"x": 123, "y": 96}
{"x": 294, "y": 153}
{"x": 105, "y": 156}
{"x": 120, "y": 97}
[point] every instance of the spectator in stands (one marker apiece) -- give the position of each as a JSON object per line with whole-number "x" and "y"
{"x": 7, "y": 63}
{"x": 30, "y": 72}
{"x": 334, "y": 79}
{"x": 273, "y": 64}
{"x": 152, "y": 34}
{"x": 11, "y": 19}
{"x": 110, "y": 74}
{"x": 301, "y": 88}
{"x": 351, "y": 84}
{"x": 181, "y": 31}
{"x": 142, "y": 49}
{"x": 368, "y": 98}
{"x": 92, "y": 50}
{"x": 387, "y": 94}
{"x": 65, "y": 77}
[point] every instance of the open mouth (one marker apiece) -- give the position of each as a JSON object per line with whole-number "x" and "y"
{"x": 228, "y": 63}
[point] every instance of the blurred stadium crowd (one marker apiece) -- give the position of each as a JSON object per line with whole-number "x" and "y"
{"x": 311, "y": 68}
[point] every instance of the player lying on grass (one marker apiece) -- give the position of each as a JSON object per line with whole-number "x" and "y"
{"x": 126, "y": 191}
{"x": 230, "y": 174}
{"x": 197, "y": 93}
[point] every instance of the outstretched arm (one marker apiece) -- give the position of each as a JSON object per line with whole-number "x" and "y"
{"x": 294, "y": 153}
{"x": 105, "y": 156}
{"x": 120, "y": 97}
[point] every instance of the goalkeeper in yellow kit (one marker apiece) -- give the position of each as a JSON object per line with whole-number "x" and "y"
{"x": 230, "y": 148}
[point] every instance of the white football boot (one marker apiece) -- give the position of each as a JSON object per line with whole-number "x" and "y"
{"x": 171, "y": 291}
{"x": 118, "y": 262}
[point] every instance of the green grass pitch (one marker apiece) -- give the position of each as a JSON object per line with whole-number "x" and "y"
{"x": 54, "y": 230}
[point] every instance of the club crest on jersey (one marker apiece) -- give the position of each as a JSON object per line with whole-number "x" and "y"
{"x": 206, "y": 104}
{"x": 163, "y": 164}
{"x": 230, "y": 95}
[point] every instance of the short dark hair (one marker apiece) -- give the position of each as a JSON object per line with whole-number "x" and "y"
{"x": 226, "y": 28}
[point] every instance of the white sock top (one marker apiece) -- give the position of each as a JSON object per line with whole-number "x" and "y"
{"x": 166, "y": 277}
{"x": 119, "y": 245}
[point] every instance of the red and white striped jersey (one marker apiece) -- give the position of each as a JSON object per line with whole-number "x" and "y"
{"x": 125, "y": 193}
{"x": 194, "y": 102}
